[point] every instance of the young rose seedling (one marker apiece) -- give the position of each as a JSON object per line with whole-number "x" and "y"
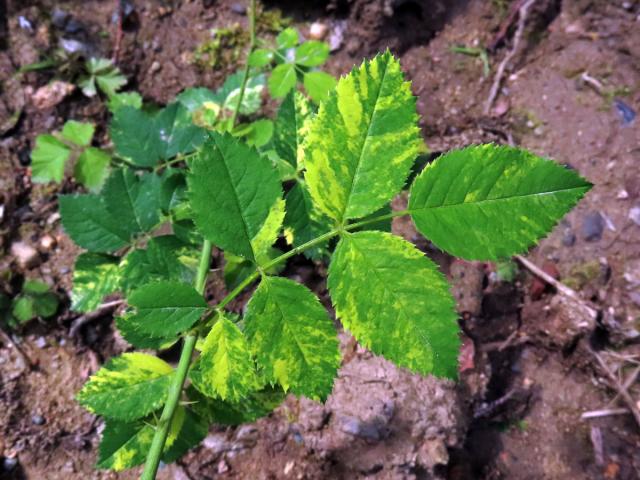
{"x": 347, "y": 161}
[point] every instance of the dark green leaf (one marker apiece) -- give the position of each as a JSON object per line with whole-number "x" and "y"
{"x": 135, "y": 199}
{"x": 233, "y": 191}
{"x": 165, "y": 309}
{"x": 89, "y": 224}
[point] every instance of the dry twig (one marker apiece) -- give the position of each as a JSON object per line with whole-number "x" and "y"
{"x": 622, "y": 391}
{"x": 605, "y": 412}
{"x": 517, "y": 38}
{"x": 560, "y": 287}
{"x": 82, "y": 320}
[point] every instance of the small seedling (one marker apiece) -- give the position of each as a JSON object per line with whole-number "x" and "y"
{"x": 35, "y": 300}
{"x": 341, "y": 166}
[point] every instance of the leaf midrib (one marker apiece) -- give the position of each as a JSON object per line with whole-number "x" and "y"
{"x": 236, "y": 199}
{"x": 400, "y": 300}
{"x": 364, "y": 143}
{"x": 499, "y": 199}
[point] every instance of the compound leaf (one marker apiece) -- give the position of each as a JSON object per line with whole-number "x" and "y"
{"x": 95, "y": 276}
{"x": 487, "y": 202}
{"x": 363, "y": 141}
{"x": 232, "y": 191}
{"x": 48, "y": 159}
{"x": 127, "y": 387}
{"x": 165, "y": 308}
{"x": 89, "y": 224}
{"x": 395, "y": 302}
{"x": 226, "y": 369}
{"x": 292, "y": 337}
{"x": 290, "y": 128}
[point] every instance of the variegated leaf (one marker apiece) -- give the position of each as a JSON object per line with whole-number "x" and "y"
{"x": 363, "y": 141}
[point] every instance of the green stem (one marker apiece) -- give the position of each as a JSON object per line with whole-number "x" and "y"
{"x": 301, "y": 248}
{"x": 175, "y": 389}
{"x": 180, "y": 375}
{"x": 252, "y": 44}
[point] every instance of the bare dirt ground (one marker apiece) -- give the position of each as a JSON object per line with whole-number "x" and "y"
{"x": 529, "y": 367}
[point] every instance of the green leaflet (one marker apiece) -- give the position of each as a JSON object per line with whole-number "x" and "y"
{"x": 290, "y": 128}
{"x": 395, "y": 302}
{"x": 487, "y": 202}
{"x": 146, "y": 139}
{"x": 94, "y": 276}
{"x": 125, "y": 445}
{"x": 48, "y": 159}
{"x": 226, "y": 369}
{"x": 363, "y": 141}
{"x": 165, "y": 258}
{"x": 134, "y": 199}
{"x": 78, "y": 132}
{"x": 282, "y": 80}
{"x": 233, "y": 190}
{"x": 292, "y": 337}
{"x": 127, "y": 387}
{"x": 88, "y": 222}
{"x": 92, "y": 168}
{"x": 35, "y": 300}
{"x": 165, "y": 309}
{"x": 312, "y": 53}
{"x": 318, "y": 85}
{"x": 303, "y": 222}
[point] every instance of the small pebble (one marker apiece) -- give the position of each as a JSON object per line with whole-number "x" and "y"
{"x": 37, "y": 420}
{"x": 59, "y": 18}
{"x": 155, "y": 67}
{"x": 41, "y": 342}
{"x": 622, "y": 195}
{"x": 73, "y": 26}
{"x": 238, "y": 9}
{"x": 318, "y": 30}
{"x": 592, "y": 227}
{"x": 9, "y": 464}
{"x": 25, "y": 254}
{"x": 634, "y": 215}
{"x": 47, "y": 242}
{"x": 569, "y": 239}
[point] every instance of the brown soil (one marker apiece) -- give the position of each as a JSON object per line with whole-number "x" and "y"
{"x": 528, "y": 373}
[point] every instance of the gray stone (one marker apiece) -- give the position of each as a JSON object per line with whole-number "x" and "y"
{"x": 593, "y": 226}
